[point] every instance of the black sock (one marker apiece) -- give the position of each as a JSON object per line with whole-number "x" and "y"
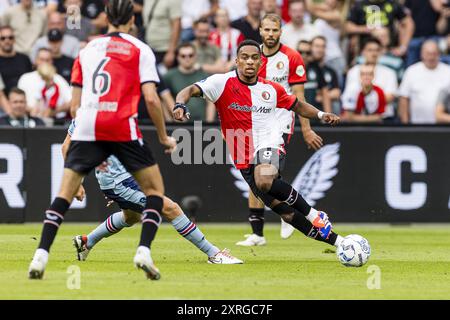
{"x": 54, "y": 217}
{"x": 256, "y": 219}
{"x": 151, "y": 220}
{"x": 284, "y": 192}
{"x": 300, "y": 223}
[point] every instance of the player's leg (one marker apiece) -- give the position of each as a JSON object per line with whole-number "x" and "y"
{"x": 299, "y": 222}
{"x": 286, "y": 229}
{"x": 137, "y": 158}
{"x": 82, "y": 157}
{"x": 112, "y": 225}
{"x": 256, "y": 219}
{"x": 186, "y": 228}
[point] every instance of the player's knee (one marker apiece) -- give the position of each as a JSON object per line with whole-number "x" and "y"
{"x": 131, "y": 217}
{"x": 171, "y": 209}
{"x": 263, "y": 181}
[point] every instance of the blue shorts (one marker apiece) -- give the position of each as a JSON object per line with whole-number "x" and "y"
{"x": 127, "y": 195}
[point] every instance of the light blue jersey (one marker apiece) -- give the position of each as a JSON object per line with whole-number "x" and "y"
{"x": 115, "y": 174}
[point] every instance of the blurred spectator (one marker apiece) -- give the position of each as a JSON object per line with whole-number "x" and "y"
{"x": 48, "y": 6}
{"x": 70, "y": 45}
{"x": 193, "y": 10}
{"x": 27, "y": 22}
{"x": 446, "y": 50}
{"x": 249, "y": 25}
{"x": 318, "y": 48}
{"x": 385, "y": 77}
{"x": 4, "y": 105}
{"x": 186, "y": 74}
{"x": 225, "y": 37}
{"x": 62, "y": 62}
{"x": 367, "y": 102}
{"x": 329, "y": 23}
{"x": 425, "y": 14}
{"x": 421, "y": 86}
{"x": 443, "y": 107}
{"x": 366, "y": 15}
{"x": 316, "y": 91}
{"x": 209, "y": 57}
{"x": 77, "y": 25}
{"x": 162, "y": 21}
{"x": 48, "y": 94}
{"x": 443, "y": 24}
{"x": 235, "y": 8}
{"x": 12, "y": 63}
{"x": 18, "y": 116}
{"x": 297, "y": 29}
{"x": 95, "y": 10}
{"x": 386, "y": 57}
{"x": 271, "y": 6}
{"x": 4, "y": 4}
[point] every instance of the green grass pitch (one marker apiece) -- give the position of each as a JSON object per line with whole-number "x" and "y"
{"x": 414, "y": 263}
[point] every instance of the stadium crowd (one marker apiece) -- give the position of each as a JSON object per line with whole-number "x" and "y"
{"x": 371, "y": 61}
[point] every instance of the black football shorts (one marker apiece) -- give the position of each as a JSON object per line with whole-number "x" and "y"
{"x": 83, "y": 156}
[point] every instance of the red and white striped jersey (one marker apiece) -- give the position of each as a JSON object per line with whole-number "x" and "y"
{"x": 247, "y": 113}
{"x": 285, "y": 67}
{"x": 111, "y": 70}
{"x": 227, "y": 42}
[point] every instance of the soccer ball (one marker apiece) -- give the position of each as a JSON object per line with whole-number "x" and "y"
{"x": 353, "y": 251}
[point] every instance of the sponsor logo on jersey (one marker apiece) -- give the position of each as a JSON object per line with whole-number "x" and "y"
{"x": 300, "y": 71}
{"x": 256, "y": 109}
{"x": 280, "y": 65}
{"x": 279, "y": 79}
{"x": 265, "y": 95}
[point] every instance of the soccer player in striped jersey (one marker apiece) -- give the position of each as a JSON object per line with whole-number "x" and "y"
{"x": 246, "y": 106}
{"x": 285, "y": 66}
{"x": 119, "y": 186}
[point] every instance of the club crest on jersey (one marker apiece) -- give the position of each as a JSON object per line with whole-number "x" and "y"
{"x": 300, "y": 71}
{"x": 280, "y": 65}
{"x": 265, "y": 95}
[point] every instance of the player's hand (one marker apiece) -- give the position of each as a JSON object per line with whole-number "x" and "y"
{"x": 312, "y": 139}
{"x": 181, "y": 112}
{"x": 331, "y": 118}
{"x": 81, "y": 193}
{"x": 170, "y": 144}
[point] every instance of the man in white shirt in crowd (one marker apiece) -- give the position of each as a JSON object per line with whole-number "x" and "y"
{"x": 422, "y": 83}
{"x": 48, "y": 94}
{"x": 298, "y": 29}
{"x": 385, "y": 78}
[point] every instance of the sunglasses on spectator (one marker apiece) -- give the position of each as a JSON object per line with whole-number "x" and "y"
{"x": 183, "y": 56}
{"x": 9, "y": 38}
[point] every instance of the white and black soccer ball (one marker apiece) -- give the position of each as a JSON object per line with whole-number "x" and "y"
{"x": 353, "y": 251}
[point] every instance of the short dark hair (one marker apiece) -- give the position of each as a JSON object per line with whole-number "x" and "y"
{"x": 185, "y": 45}
{"x": 319, "y": 37}
{"x": 119, "y": 12}
{"x": 369, "y": 41}
{"x": 248, "y": 42}
{"x": 201, "y": 20}
{"x": 17, "y": 91}
{"x": 5, "y": 27}
{"x": 272, "y": 17}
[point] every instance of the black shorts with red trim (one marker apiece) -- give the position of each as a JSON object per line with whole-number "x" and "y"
{"x": 83, "y": 156}
{"x": 267, "y": 155}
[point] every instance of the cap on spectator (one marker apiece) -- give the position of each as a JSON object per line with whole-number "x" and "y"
{"x": 54, "y": 35}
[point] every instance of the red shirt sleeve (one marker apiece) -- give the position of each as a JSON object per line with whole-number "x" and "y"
{"x": 297, "y": 69}
{"x": 77, "y": 74}
{"x": 284, "y": 100}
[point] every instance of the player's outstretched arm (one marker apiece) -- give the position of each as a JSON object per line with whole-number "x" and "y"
{"x": 307, "y": 110}
{"x": 180, "y": 110}
{"x": 155, "y": 111}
